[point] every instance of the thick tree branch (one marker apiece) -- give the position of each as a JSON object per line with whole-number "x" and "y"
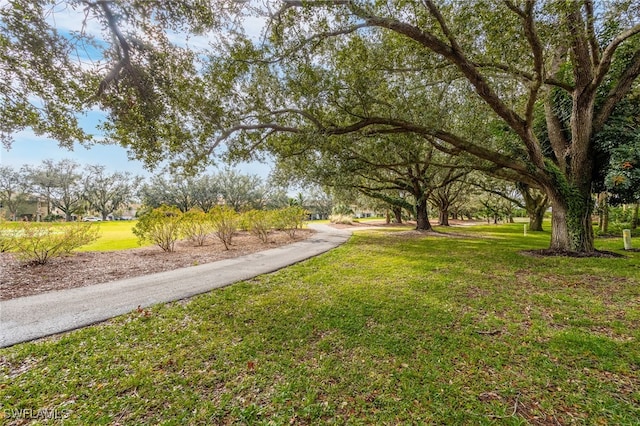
{"x": 499, "y": 193}
{"x": 538, "y": 66}
{"x": 302, "y": 113}
{"x": 550, "y": 81}
{"x": 514, "y": 8}
{"x": 452, "y": 54}
{"x": 607, "y": 54}
{"x": 509, "y": 175}
{"x": 443, "y": 25}
{"x": 618, "y": 92}
{"x": 591, "y": 32}
{"x": 124, "y": 48}
{"x": 583, "y": 67}
{"x": 559, "y": 143}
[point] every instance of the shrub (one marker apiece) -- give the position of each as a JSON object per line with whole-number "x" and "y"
{"x": 161, "y": 226}
{"x": 196, "y": 226}
{"x": 341, "y": 218}
{"x": 7, "y": 239}
{"x": 289, "y": 219}
{"x": 37, "y": 243}
{"x": 53, "y": 218}
{"x": 79, "y": 235}
{"x": 225, "y": 223}
{"x": 7, "y": 235}
{"x": 244, "y": 221}
{"x": 259, "y": 223}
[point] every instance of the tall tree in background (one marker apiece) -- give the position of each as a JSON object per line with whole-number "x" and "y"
{"x": 206, "y": 192}
{"x": 107, "y": 192}
{"x": 42, "y": 181}
{"x": 381, "y": 167}
{"x": 446, "y": 196}
{"x": 239, "y": 191}
{"x": 60, "y": 184}
{"x": 13, "y": 189}
{"x": 242, "y": 192}
{"x": 175, "y": 191}
{"x": 68, "y": 194}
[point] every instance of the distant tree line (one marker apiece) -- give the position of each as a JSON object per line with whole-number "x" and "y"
{"x": 36, "y": 192}
{"x": 41, "y": 192}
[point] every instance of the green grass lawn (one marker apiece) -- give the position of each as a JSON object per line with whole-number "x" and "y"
{"x": 387, "y": 329}
{"x": 114, "y": 235}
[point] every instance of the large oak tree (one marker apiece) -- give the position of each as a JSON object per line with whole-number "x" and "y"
{"x": 352, "y": 66}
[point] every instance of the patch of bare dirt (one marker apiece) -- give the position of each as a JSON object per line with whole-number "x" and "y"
{"x": 371, "y": 224}
{"x": 87, "y": 268}
{"x": 407, "y": 224}
{"x": 564, "y": 253}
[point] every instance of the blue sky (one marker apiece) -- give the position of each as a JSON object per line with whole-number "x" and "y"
{"x": 32, "y": 149}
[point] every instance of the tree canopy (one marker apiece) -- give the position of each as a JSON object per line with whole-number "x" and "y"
{"x": 473, "y": 77}
{"x": 468, "y": 77}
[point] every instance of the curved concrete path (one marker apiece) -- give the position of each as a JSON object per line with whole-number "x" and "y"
{"x": 27, "y": 318}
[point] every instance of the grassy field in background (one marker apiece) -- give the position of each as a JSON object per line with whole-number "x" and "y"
{"x": 114, "y": 235}
{"x": 389, "y": 328}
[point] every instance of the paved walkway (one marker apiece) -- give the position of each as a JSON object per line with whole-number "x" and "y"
{"x": 32, "y": 317}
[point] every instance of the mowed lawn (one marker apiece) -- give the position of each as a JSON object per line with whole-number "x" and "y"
{"x": 389, "y": 328}
{"x": 114, "y": 235}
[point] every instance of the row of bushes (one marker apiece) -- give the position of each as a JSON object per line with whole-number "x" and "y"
{"x": 166, "y": 225}
{"x": 37, "y": 243}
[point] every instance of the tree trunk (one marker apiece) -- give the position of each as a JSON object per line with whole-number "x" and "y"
{"x": 571, "y": 228}
{"x": 536, "y": 205}
{"x": 397, "y": 213}
{"x": 603, "y": 213}
{"x": 48, "y": 203}
{"x": 422, "y": 216}
{"x": 635, "y": 221}
{"x": 443, "y": 217}
{"x": 571, "y": 195}
{"x": 604, "y": 225}
{"x": 67, "y": 217}
{"x": 387, "y": 217}
{"x": 536, "y": 217}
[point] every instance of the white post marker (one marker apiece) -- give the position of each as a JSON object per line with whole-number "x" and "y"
{"x": 626, "y": 237}
{"x": 525, "y": 229}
